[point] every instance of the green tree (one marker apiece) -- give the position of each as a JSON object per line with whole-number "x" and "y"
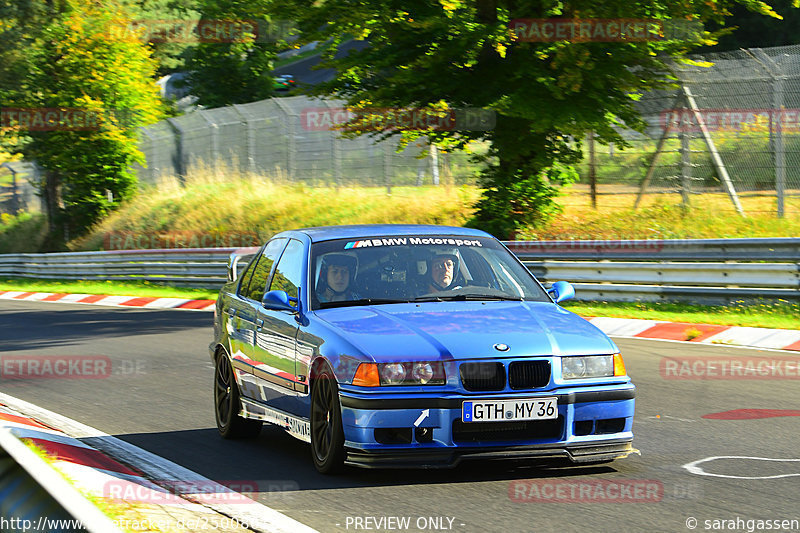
{"x": 751, "y": 30}
{"x": 170, "y": 54}
{"x": 547, "y": 95}
{"x": 71, "y": 60}
{"x": 237, "y": 72}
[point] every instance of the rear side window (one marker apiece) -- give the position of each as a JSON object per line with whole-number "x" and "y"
{"x": 288, "y": 273}
{"x": 256, "y": 287}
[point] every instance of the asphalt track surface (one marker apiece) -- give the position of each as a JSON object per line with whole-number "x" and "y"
{"x": 158, "y": 397}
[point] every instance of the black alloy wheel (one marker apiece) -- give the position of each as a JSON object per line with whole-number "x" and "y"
{"x": 227, "y": 404}
{"x": 327, "y": 435}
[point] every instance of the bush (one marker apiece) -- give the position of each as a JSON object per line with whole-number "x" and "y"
{"x": 23, "y": 233}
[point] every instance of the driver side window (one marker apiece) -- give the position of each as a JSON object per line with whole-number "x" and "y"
{"x": 258, "y": 282}
{"x": 288, "y": 273}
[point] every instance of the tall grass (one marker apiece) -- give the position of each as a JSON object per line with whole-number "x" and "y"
{"x": 218, "y": 204}
{"x": 663, "y": 216}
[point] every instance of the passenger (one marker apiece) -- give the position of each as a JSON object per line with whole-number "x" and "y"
{"x": 336, "y": 277}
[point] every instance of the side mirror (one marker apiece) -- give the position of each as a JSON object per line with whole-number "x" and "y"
{"x": 561, "y": 290}
{"x": 278, "y": 300}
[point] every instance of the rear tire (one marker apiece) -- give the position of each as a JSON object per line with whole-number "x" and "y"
{"x": 327, "y": 435}
{"x": 227, "y": 404}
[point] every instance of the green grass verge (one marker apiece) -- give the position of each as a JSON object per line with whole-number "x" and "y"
{"x": 780, "y": 315}
{"x": 111, "y": 288}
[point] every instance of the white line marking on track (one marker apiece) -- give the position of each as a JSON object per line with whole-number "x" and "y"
{"x": 695, "y": 469}
{"x": 671, "y": 418}
{"x": 258, "y": 516}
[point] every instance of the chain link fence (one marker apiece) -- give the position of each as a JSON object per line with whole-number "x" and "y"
{"x": 731, "y": 127}
{"x": 287, "y": 138}
{"x": 18, "y": 182}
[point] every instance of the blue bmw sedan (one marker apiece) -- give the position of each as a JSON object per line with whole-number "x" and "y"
{"x": 412, "y": 346}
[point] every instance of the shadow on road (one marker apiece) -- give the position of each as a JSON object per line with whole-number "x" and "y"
{"x": 283, "y": 464}
{"x": 24, "y": 327}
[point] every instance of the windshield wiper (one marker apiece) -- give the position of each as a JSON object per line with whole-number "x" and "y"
{"x": 361, "y": 302}
{"x": 468, "y": 297}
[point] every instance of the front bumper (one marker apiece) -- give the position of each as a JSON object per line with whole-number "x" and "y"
{"x": 598, "y": 452}
{"x": 593, "y": 425}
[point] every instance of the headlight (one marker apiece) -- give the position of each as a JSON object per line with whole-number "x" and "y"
{"x": 587, "y": 366}
{"x": 392, "y": 374}
{"x": 422, "y": 372}
{"x": 388, "y": 374}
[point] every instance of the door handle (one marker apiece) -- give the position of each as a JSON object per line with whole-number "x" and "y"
{"x": 259, "y": 323}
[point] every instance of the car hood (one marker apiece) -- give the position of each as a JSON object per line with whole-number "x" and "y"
{"x": 465, "y": 330}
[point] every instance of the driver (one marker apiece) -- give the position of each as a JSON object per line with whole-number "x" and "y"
{"x": 336, "y": 276}
{"x": 442, "y": 272}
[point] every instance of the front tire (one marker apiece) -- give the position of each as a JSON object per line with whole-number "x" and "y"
{"x": 327, "y": 435}
{"x": 227, "y": 404}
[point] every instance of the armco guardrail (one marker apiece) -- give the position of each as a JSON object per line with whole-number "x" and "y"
{"x": 694, "y": 270}
{"x": 708, "y": 283}
{"x": 37, "y": 498}
{"x": 715, "y": 250}
{"x": 188, "y": 267}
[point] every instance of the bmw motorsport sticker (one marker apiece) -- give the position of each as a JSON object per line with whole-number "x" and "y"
{"x": 414, "y": 241}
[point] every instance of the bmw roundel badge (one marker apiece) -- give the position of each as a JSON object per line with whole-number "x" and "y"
{"x": 501, "y": 347}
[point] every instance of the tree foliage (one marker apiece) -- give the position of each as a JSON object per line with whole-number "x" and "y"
{"x": 69, "y": 58}
{"x": 546, "y": 95}
{"x": 170, "y": 55}
{"x": 752, "y": 30}
{"x": 224, "y": 73}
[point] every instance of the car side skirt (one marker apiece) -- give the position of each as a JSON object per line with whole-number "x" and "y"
{"x": 295, "y": 426}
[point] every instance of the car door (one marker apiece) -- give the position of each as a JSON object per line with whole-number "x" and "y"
{"x": 252, "y": 290}
{"x": 276, "y": 334}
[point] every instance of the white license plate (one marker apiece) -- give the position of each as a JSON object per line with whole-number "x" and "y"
{"x": 509, "y": 410}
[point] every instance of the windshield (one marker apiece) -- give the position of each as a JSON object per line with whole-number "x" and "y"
{"x": 393, "y": 269}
